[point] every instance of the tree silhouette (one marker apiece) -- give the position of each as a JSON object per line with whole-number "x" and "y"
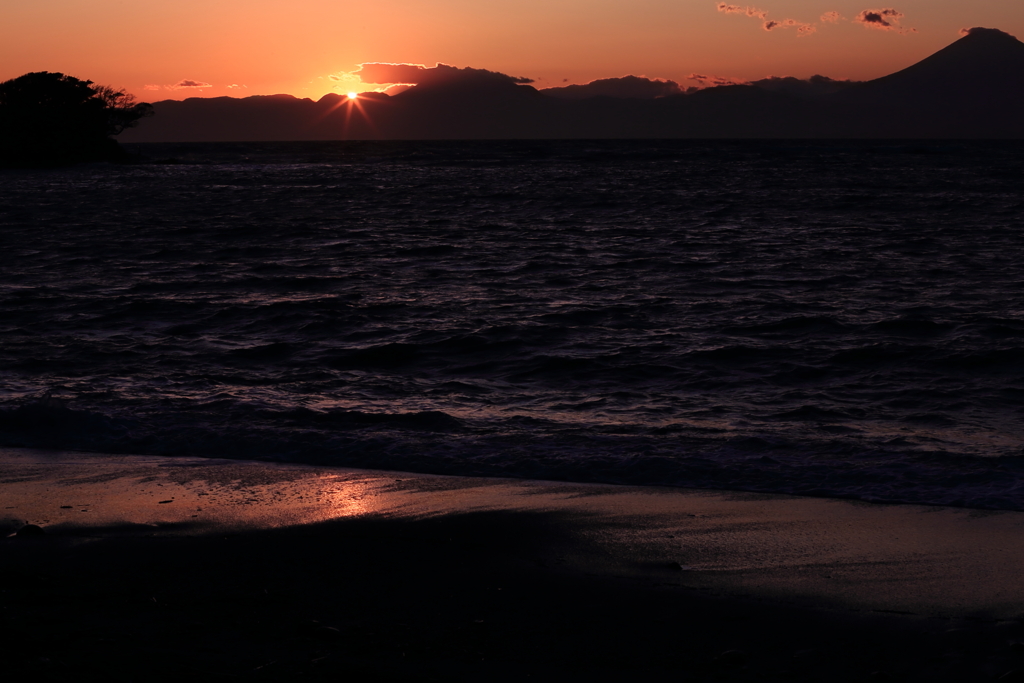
{"x": 49, "y": 119}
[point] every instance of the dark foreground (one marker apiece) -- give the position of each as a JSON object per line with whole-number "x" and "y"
{"x": 463, "y": 597}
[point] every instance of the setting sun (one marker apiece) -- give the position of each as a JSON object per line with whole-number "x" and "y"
{"x": 353, "y": 95}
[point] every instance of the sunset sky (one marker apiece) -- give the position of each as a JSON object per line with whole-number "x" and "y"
{"x": 164, "y": 49}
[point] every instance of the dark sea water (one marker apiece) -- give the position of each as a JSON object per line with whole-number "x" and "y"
{"x": 835, "y": 319}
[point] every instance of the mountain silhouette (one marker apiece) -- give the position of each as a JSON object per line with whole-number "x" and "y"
{"x": 986, "y": 60}
{"x": 974, "y": 88}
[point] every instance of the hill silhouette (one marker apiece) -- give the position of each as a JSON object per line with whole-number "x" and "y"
{"x": 974, "y": 88}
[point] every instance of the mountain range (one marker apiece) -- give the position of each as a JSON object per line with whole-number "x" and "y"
{"x": 972, "y": 89}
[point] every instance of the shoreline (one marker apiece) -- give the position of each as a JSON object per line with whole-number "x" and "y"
{"x": 632, "y": 562}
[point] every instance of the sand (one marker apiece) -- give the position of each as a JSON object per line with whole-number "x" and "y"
{"x": 157, "y": 568}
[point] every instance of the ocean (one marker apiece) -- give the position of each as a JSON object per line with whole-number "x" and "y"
{"x": 839, "y": 319}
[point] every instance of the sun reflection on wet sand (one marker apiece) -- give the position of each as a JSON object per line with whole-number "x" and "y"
{"x": 859, "y": 554}
{"x": 83, "y": 491}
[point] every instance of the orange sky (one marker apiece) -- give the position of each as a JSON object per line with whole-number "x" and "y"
{"x": 295, "y": 46}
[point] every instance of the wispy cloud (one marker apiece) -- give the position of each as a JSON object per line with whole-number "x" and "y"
{"x": 189, "y": 83}
{"x": 885, "y": 19}
{"x": 736, "y": 9}
{"x": 709, "y": 81}
{"x": 979, "y": 30}
{"x": 151, "y": 87}
{"x": 803, "y": 28}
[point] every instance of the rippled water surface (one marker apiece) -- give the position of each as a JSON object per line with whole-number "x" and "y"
{"x": 842, "y": 319}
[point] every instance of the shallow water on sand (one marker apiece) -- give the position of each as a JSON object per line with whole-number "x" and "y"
{"x": 840, "y": 319}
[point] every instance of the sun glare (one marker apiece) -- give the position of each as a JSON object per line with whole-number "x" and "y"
{"x": 352, "y": 104}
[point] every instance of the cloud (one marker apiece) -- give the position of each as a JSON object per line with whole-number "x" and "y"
{"x": 188, "y": 83}
{"x": 707, "y": 81}
{"x": 626, "y": 87}
{"x": 151, "y": 87}
{"x": 736, "y": 9}
{"x": 395, "y": 89}
{"x": 978, "y": 30}
{"x": 802, "y": 28}
{"x": 439, "y": 74}
{"x": 879, "y": 18}
{"x": 883, "y": 20}
{"x": 236, "y": 85}
{"x": 886, "y": 19}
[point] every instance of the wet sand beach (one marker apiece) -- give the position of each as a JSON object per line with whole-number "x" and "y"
{"x": 149, "y": 568}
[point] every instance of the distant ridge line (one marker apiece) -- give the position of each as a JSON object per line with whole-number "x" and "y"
{"x": 971, "y": 89}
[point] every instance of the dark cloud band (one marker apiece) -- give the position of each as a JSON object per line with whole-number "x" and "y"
{"x": 439, "y": 74}
{"x": 628, "y": 87}
{"x": 189, "y": 83}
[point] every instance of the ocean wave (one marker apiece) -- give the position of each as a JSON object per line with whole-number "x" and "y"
{"x": 729, "y": 315}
